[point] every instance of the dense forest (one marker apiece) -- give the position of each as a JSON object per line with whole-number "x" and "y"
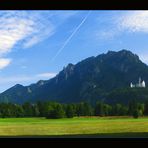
{"x": 56, "y": 110}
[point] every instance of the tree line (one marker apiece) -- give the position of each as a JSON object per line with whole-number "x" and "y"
{"x": 56, "y": 110}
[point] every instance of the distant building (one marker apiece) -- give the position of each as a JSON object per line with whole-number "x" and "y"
{"x": 139, "y": 84}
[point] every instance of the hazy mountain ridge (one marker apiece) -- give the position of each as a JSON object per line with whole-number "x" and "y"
{"x": 89, "y": 80}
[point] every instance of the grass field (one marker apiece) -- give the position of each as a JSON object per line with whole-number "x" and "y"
{"x": 76, "y": 127}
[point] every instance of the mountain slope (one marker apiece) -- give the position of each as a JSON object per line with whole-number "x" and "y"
{"x": 89, "y": 80}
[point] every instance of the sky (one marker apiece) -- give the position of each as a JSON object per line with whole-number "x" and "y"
{"x": 36, "y": 45}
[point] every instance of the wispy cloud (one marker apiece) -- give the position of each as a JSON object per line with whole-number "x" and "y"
{"x": 144, "y": 58}
{"x": 28, "y": 27}
{"x": 9, "y": 81}
{"x": 4, "y": 62}
{"x": 23, "y": 67}
{"x": 15, "y": 79}
{"x": 24, "y": 29}
{"x": 46, "y": 75}
{"x": 106, "y": 34}
{"x": 134, "y": 21}
{"x": 25, "y": 78}
{"x": 123, "y": 21}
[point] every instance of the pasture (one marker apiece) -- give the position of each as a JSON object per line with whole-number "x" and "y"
{"x": 75, "y": 127}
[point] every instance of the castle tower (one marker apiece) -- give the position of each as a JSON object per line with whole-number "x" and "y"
{"x": 140, "y": 84}
{"x": 143, "y": 83}
{"x": 131, "y": 85}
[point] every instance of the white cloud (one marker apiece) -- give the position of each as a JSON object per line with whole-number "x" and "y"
{"x": 134, "y": 21}
{"x": 25, "y": 78}
{"x": 11, "y": 33}
{"x": 46, "y": 75}
{"x": 106, "y": 34}
{"x": 24, "y": 29}
{"x": 23, "y": 67}
{"x": 143, "y": 56}
{"x": 121, "y": 21}
{"x": 31, "y": 42}
{"x": 9, "y": 81}
{"x": 14, "y": 79}
{"x": 4, "y": 62}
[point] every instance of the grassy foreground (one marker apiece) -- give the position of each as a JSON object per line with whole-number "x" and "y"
{"x": 76, "y": 127}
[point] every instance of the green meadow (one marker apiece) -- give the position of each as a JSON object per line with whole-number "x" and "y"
{"x": 75, "y": 127}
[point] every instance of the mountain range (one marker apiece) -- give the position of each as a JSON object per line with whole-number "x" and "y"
{"x": 92, "y": 79}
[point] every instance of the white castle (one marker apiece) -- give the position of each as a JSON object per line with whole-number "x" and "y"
{"x": 140, "y": 84}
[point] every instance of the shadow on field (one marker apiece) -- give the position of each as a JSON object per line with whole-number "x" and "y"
{"x": 102, "y": 135}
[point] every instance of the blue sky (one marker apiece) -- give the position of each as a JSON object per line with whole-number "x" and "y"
{"x": 37, "y": 45}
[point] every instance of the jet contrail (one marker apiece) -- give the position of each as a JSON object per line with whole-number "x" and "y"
{"x": 70, "y": 37}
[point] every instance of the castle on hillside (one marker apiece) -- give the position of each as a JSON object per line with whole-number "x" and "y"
{"x": 139, "y": 84}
